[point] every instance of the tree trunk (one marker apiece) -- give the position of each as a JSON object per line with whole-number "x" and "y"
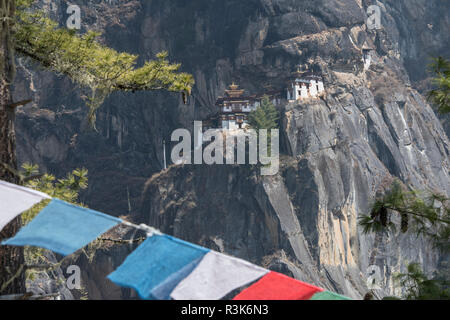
{"x": 12, "y": 274}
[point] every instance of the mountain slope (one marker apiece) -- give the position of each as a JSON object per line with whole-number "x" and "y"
{"x": 371, "y": 126}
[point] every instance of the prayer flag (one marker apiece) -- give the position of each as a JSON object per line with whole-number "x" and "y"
{"x": 15, "y": 199}
{"x": 276, "y": 286}
{"x": 63, "y": 228}
{"x": 216, "y": 276}
{"x": 156, "y": 267}
{"x": 327, "y": 295}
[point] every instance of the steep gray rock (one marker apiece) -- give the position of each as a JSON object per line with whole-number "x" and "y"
{"x": 44, "y": 282}
{"x": 371, "y": 127}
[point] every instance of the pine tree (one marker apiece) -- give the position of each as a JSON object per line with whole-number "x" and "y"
{"x": 417, "y": 286}
{"x": 423, "y": 214}
{"x": 93, "y": 67}
{"x": 441, "y": 95}
{"x": 264, "y": 117}
{"x": 11, "y": 258}
{"x": 96, "y": 68}
{"x": 66, "y": 189}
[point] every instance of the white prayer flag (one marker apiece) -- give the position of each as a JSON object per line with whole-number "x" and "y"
{"x": 15, "y": 199}
{"x": 216, "y": 276}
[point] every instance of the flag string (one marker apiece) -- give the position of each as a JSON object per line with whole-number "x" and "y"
{"x": 150, "y": 231}
{"x": 161, "y": 267}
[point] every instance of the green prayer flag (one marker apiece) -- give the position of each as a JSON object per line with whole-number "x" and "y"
{"x": 327, "y": 295}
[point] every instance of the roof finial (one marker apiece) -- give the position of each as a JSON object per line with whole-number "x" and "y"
{"x": 233, "y": 86}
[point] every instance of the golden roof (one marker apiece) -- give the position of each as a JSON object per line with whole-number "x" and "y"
{"x": 233, "y": 86}
{"x": 233, "y": 91}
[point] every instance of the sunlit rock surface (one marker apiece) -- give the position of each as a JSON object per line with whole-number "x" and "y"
{"x": 372, "y": 126}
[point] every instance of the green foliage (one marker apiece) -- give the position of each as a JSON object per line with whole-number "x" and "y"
{"x": 417, "y": 286}
{"x": 66, "y": 189}
{"x": 425, "y": 214}
{"x": 23, "y": 4}
{"x": 421, "y": 213}
{"x": 441, "y": 95}
{"x": 264, "y": 117}
{"x": 92, "y": 66}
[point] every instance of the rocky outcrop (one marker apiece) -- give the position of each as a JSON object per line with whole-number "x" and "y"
{"x": 371, "y": 127}
{"x": 343, "y": 150}
{"x": 48, "y": 282}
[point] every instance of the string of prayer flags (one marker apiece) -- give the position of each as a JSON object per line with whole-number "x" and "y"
{"x": 63, "y": 228}
{"x": 16, "y": 199}
{"x": 216, "y": 276}
{"x": 162, "y": 267}
{"x": 156, "y": 267}
{"x": 277, "y": 286}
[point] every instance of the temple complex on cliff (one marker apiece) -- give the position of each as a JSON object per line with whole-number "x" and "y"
{"x": 234, "y": 107}
{"x": 304, "y": 85}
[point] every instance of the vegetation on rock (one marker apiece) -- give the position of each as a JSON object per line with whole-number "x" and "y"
{"x": 423, "y": 214}
{"x": 264, "y": 117}
{"x": 92, "y": 66}
{"x": 441, "y": 95}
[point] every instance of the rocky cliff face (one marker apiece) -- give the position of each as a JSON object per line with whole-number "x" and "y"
{"x": 370, "y": 128}
{"x": 303, "y": 222}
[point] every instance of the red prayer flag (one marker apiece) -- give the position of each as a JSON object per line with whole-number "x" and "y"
{"x": 277, "y": 286}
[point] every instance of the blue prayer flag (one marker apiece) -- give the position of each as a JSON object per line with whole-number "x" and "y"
{"x": 63, "y": 228}
{"x": 156, "y": 267}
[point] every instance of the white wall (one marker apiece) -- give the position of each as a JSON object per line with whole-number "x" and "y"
{"x": 296, "y": 90}
{"x": 224, "y": 124}
{"x": 232, "y": 125}
{"x": 320, "y": 86}
{"x": 313, "y": 88}
{"x": 367, "y": 60}
{"x": 304, "y": 91}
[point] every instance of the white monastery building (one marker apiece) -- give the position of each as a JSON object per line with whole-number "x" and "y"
{"x": 304, "y": 85}
{"x": 234, "y": 107}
